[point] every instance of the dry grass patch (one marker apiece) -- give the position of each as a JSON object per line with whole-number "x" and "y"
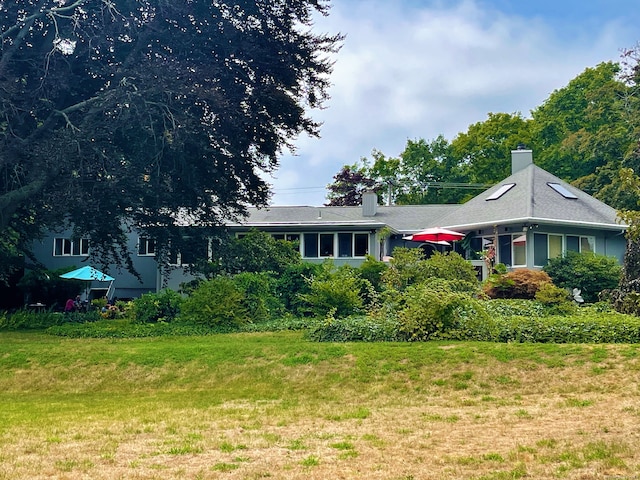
{"x": 395, "y": 411}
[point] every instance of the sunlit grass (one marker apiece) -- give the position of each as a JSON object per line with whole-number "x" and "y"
{"x": 275, "y": 405}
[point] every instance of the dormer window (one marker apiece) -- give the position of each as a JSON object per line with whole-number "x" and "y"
{"x": 501, "y": 191}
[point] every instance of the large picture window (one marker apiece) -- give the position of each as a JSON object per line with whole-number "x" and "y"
{"x": 65, "y": 247}
{"x": 548, "y": 246}
{"x": 340, "y": 245}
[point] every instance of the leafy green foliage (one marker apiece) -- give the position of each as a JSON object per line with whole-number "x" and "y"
{"x": 373, "y": 270}
{"x": 258, "y": 251}
{"x": 354, "y": 329}
{"x": 584, "y": 327}
{"x": 218, "y": 302}
{"x": 556, "y": 299}
{"x": 407, "y": 267}
{"x": 340, "y": 290}
{"x": 429, "y": 313}
{"x": 28, "y": 320}
{"x": 261, "y": 300}
{"x": 163, "y": 306}
{"x": 134, "y": 111}
{"x": 520, "y": 283}
{"x": 591, "y": 273}
{"x": 453, "y": 267}
{"x": 485, "y": 149}
{"x": 294, "y": 282}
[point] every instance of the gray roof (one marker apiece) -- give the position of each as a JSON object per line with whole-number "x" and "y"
{"x": 529, "y": 200}
{"x": 532, "y": 200}
{"x": 400, "y": 218}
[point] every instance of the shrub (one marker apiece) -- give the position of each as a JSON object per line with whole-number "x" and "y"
{"x": 340, "y": 291}
{"x": 218, "y": 302}
{"x": 451, "y": 266}
{"x": 27, "y": 320}
{"x": 354, "y": 329}
{"x": 294, "y": 282}
{"x": 585, "y": 326}
{"x": 589, "y": 272}
{"x": 373, "y": 270}
{"x": 520, "y": 283}
{"x": 260, "y": 299}
{"x": 429, "y": 313}
{"x": 163, "y": 306}
{"x": 407, "y": 267}
{"x": 555, "y": 299}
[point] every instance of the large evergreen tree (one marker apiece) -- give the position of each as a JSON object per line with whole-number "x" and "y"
{"x": 148, "y": 113}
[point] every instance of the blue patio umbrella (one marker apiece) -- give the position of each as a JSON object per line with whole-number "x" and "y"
{"x": 88, "y": 274}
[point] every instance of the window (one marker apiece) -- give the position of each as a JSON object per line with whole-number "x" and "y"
{"x": 346, "y": 244}
{"x": 190, "y": 253}
{"x": 520, "y": 249}
{"x": 146, "y": 247}
{"x": 504, "y": 250}
{"x": 501, "y": 191}
{"x": 562, "y": 190}
{"x": 326, "y": 244}
{"x": 360, "y": 244}
{"x": 581, "y": 244}
{"x": 546, "y": 247}
{"x": 311, "y": 245}
{"x": 65, "y": 247}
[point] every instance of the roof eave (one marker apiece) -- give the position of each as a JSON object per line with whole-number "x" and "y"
{"x": 547, "y": 221}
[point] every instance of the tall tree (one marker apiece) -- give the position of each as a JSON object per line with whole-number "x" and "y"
{"x": 349, "y": 184}
{"x": 485, "y": 149}
{"x": 431, "y": 173}
{"x": 584, "y": 126}
{"x": 149, "y": 114}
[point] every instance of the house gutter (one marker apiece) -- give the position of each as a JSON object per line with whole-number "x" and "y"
{"x": 307, "y": 224}
{"x": 548, "y": 221}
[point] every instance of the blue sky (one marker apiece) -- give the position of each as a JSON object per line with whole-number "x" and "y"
{"x": 413, "y": 69}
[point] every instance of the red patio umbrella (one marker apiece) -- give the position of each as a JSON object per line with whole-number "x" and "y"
{"x": 435, "y": 234}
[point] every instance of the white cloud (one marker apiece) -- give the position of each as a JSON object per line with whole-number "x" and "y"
{"x": 417, "y": 72}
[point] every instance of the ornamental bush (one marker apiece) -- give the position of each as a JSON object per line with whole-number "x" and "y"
{"x": 437, "y": 313}
{"x": 260, "y": 298}
{"x": 218, "y": 302}
{"x": 520, "y": 283}
{"x": 163, "y": 306}
{"x": 340, "y": 291}
{"x": 589, "y": 272}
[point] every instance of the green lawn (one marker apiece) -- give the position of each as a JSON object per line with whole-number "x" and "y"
{"x": 272, "y": 405}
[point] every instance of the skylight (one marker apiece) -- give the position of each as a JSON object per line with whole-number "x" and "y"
{"x": 562, "y": 190}
{"x": 501, "y": 191}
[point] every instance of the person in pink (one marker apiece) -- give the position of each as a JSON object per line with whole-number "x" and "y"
{"x": 70, "y": 306}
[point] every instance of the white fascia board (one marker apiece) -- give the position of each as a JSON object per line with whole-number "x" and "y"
{"x": 307, "y": 224}
{"x": 548, "y": 221}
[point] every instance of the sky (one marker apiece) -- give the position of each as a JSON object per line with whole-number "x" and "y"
{"x": 411, "y": 69}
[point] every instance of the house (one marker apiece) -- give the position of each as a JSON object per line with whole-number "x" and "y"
{"x": 533, "y": 216}
{"x": 526, "y": 219}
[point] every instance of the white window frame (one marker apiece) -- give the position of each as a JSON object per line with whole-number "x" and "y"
{"x": 336, "y": 245}
{"x": 77, "y": 248}
{"x": 146, "y": 242}
{"x": 590, "y": 239}
{"x": 513, "y": 250}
